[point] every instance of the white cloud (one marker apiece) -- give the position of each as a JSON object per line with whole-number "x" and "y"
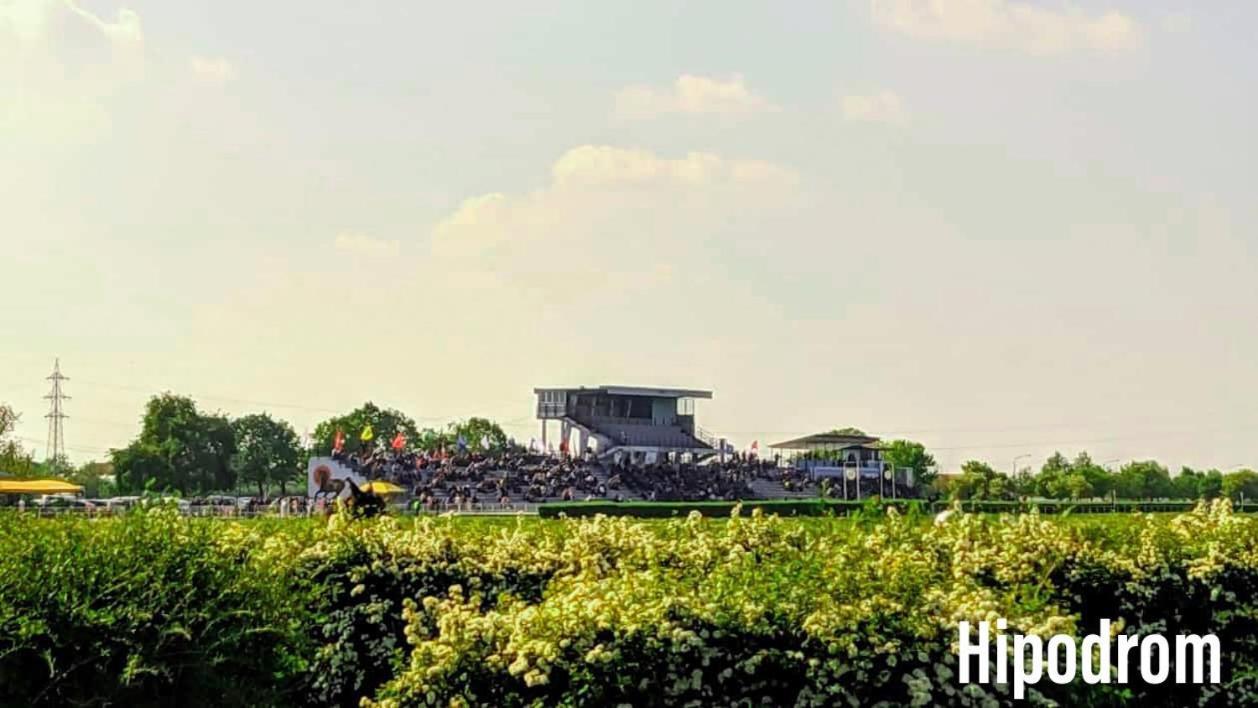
{"x": 124, "y": 31}
{"x": 610, "y": 217}
{"x": 215, "y": 70}
{"x": 32, "y": 22}
{"x": 605, "y": 165}
{"x": 1033, "y": 28}
{"x": 60, "y": 67}
{"x": 692, "y": 94}
{"x": 880, "y": 107}
{"x": 360, "y": 244}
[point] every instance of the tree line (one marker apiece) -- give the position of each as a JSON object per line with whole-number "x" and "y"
{"x": 183, "y": 449}
{"x": 1082, "y": 478}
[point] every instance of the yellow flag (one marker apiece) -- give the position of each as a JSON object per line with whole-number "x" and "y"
{"x": 367, "y": 433}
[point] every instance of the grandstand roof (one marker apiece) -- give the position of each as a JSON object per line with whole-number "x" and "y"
{"x": 828, "y": 441}
{"x": 652, "y": 391}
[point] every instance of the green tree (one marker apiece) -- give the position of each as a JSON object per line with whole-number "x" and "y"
{"x": 1210, "y": 486}
{"x": 853, "y": 432}
{"x": 432, "y": 441}
{"x": 385, "y": 425}
{"x": 980, "y": 480}
{"x": 907, "y": 453}
{"x": 179, "y": 448}
{"x": 15, "y": 460}
{"x": 1051, "y": 482}
{"x": 475, "y": 430}
{"x": 267, "y": 452}
{"x": 1077, "y": 486}
{"x": 1186, "y": 484}
{"x": 1024, "y": 483}
{"x": 1063, "y": 478}
{"x": 1241, "y": 484}
{"x": 140, "y": 466}
{"x": 1143, "y": 480}
{"x": 96, "y": 478}
{"x": 1100, "y": 480}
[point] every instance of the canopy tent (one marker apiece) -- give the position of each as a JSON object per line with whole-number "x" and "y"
{"x": 383, "y": 488}
{"x": 38, "y": 486}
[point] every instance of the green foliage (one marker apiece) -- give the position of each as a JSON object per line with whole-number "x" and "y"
{"x": 15, "y": 460}
{"x": 363, "y": 576}
{"x": 979, "y": 480}
{"x": 765, "y": 611}
{"x": 96, "y": 478}
{"x": 153, "y": 609}
{"x": 431, "y": 440}
{"x": 179, "y": 448}
{"x": 906, "y": 453}
{"x": 1241, "y": 484}
{"x": 1191, "y": 484}
{"x": 1143, "y": 480}
{"x": 1080, "y": 478}
{"x": 668, "y": 510}
{"x": 840, "y": 507}
{"x": 148, "y": 610}
{"x": 267, "y": 452}
{"x": 475, "y": 430}
{"x": 385, "y": 423}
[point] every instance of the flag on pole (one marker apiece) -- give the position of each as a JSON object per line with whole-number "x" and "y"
{"x": 338, "y": 442}
{"x": 367, "y": 433}
{"x": 462, "y": 443}
{"x": 563, "y": 446}
{"x": 484, "y": 441}
{"x": 399, "y": 441}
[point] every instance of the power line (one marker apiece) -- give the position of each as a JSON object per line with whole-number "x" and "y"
{"x": 522, "y": 422}
{"x": 55, "y": 447}
{"x": 75, "y": 448}
{"x": 266, "y": 404}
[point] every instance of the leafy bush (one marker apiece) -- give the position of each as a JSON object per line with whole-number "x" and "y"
{"x": 716, "y": 509}
{"x": 759, "y": 610}
{"x": 359, "y": 576}
{"x": 150, "y": 610}
{"x": 840, "y": 507}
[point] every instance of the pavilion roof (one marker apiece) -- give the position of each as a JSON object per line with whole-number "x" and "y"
{"x": 652, "y": 391}
{"x": 827, "y": 441}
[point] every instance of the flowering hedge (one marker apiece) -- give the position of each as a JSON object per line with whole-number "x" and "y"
{"x": 840, "y": 507}
{"x": 757, "y": 610}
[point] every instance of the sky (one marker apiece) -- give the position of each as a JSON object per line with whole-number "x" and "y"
{"x": 1002, "y": 228}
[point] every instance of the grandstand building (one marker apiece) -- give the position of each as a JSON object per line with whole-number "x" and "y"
{"x": 645, "y": 424}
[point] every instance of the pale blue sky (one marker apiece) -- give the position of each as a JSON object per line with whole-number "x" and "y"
{"x": 1000, "y": 227}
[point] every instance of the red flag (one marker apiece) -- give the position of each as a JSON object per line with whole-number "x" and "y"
{"x": 563, "y": 446}
{"x": 338, "y": 443}
{"x": 399, "y": 441}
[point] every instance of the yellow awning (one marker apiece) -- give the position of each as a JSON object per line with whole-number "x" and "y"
{"x": 38, "y": 486}
{"x": 383, "y": 488}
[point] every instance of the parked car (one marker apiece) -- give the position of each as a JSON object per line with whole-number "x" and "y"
{"x": 62, "y": 502}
